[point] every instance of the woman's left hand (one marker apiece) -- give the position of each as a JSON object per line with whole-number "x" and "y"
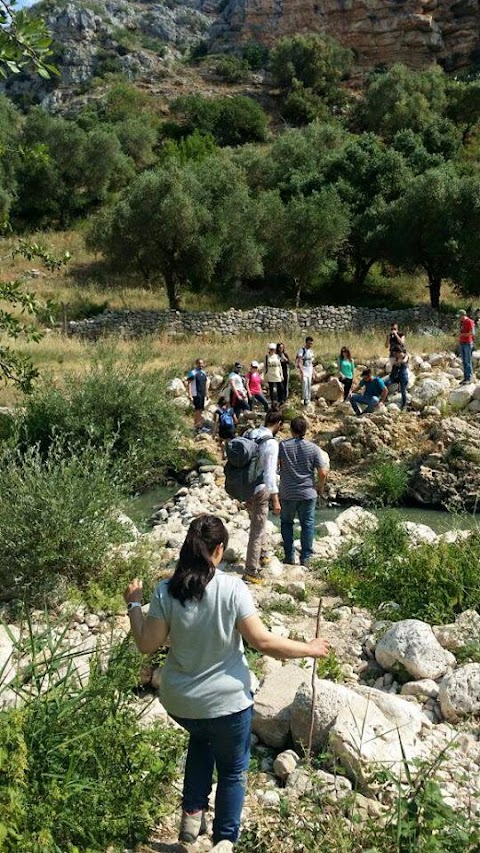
{"x": 134, "y": 591}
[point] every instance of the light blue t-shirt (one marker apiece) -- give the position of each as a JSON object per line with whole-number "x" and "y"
{"x": 205, "y": 673}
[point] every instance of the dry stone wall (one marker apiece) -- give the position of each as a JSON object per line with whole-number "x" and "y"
{"x": 262, "y": 319}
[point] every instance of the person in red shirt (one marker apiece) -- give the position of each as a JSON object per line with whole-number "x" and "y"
{"x": 467, "y": 332}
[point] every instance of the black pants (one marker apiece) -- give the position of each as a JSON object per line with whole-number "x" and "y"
{"x": 347, "y": 384}
{"x": 275, "y": 389}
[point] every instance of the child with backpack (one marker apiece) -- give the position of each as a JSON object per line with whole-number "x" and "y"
{"x": 225, "y": 423}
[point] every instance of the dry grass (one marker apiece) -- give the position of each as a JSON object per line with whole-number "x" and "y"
{"x": 58, "y": 356}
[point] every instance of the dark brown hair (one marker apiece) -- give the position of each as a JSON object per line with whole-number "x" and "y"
{"x": 298, "y": 426}
{"x": 347, "y": 351}
{"x": 273, "y": 416}
{"x": 195, "y": 568}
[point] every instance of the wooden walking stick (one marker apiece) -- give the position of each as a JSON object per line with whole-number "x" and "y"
{"x": 314, "y": 683}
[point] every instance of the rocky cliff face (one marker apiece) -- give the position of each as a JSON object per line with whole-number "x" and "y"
{"x": 137, "y": 38}
{"x": 414, "y": 32}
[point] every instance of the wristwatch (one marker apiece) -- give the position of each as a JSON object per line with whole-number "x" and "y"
{"x": 132, "y": 604}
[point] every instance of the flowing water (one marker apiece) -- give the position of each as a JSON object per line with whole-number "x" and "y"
{"x": 142, "y": 506}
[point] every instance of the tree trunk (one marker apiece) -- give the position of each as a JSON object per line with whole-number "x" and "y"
{"x": 172, "y": 294}
{"x": 434, "y": 286}
{"x": 298, "y": 292}
{"x": 362, "y": 268}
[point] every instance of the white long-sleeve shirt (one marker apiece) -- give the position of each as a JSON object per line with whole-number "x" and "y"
{"x": 268, "y": 460}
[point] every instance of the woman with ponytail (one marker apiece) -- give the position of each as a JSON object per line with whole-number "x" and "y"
{"x": 205, "y": 682}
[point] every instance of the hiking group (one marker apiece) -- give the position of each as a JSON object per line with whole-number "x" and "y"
{"x": 205, "y": 612}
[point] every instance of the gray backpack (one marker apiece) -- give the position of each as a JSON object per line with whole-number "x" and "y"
{"x": 242, "y": 470}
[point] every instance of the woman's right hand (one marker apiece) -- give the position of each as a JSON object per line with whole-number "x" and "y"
{"x": 134, "y": 591}
{"x": 318, "y": 648}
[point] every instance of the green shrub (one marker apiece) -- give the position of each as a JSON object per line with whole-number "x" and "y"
{"x": 231, "y": 121}
{"x": 58, "y": 521}
{"x": 115, "y": 406}
{"x": 256, "y": 54}
{"x": 330, "y": 667}
{"x": 388, "y": 482}
{"x": 433, "y": 583}
{"x": 232, "y": 69}
{"x": 77, "y": 770}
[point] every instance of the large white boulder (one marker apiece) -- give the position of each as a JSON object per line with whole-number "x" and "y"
{"x": 182, "y": 403}
{"x": 459, "y": 693}
{"x": 419, "y": 534}
{"x": 413, "y": 644}
{"x": 331, "y": 390}
{"x": 355, "y": 519}
{"x": 427, "y": 391}
{"x": 366, "y": 738}
{"x": 8, "y": 638}
{"x": 459, "y": 398}
{"x": 330, "y": 698}
{"x": 273, "y": 704}
{"x": 176, "y": 387}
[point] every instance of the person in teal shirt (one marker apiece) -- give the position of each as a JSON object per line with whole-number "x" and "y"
{"x": 374, "y": 392}
{"x": 346, "y": 367}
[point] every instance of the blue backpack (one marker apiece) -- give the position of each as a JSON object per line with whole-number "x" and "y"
{"x": 226, "y": 420}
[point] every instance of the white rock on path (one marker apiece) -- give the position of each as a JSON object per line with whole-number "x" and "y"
{"x": 177, "y": 388}
{"x": 273, "y": 704}
{"x": 413, "y": 644}
{"x": 459, "y": 398}
{"x": 331, "y": 697}
{"x": 285, "y": 763}
{"x": 459, "y": 693}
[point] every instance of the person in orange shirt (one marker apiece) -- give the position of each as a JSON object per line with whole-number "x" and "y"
{"x": 467, "y": 333}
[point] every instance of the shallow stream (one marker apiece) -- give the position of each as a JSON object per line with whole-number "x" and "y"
{"x": 141, "y": 508}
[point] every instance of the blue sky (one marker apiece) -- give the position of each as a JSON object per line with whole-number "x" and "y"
{"x": 20, "y": 3}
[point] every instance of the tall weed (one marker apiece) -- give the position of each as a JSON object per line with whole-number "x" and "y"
{"x": 116, "y": 406}
{"x": 78, "y": 772}
{"x": 430, "y": 582}
{"x": 388, "y": 482}
{"x": 58, "y": 521}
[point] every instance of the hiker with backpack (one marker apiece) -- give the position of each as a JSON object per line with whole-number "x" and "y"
{"x": 254, "y": 386}
{"x": 206, "y": 683}
{"x": 225, "y": 422}
{"x": 251, "y": 476}
{"x": 237, "y": 391}
{"x": 304, "y": 365}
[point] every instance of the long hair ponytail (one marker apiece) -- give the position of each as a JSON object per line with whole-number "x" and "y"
{"x": 195, "y": 568}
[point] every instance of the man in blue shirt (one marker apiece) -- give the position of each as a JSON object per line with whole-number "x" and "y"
{"x": 198, "y": 391}
{"x": 375, "y": 392}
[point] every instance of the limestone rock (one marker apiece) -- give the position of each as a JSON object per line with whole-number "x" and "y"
{"x": 413, "y": 644}
{"x": 273, "y": 704}
{"x": 459, "y": 398}
{"x": 330, "y": 698}
{"x": 419, "y": 534}
{"x": 331, "y": 390}
{"x": 464, "y": 631}
{"x": 356, "y": 520}
{"x": 459, "y": 693}
{"x": 424, "y": 688}
{"x": 285, "y": 763}
{"x": 176, "y": 388}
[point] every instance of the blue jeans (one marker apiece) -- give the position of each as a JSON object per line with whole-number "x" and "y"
{"x": 402, "y": 382}
{"x": 306, "y": 516}
{"x": 358, "y": 400}
{"x": 261, "y": 399}
{"x": 466, "y": 353}
{"x": 223, "y": 742}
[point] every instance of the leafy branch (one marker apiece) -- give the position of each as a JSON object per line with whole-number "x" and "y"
{"x": 24, "y": 42}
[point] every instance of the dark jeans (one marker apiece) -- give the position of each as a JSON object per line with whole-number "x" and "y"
{"x": 347, "y": 384}
{"x": 275, "y": 390}
{"x": 402, "y": 383}
{"x": 240, "y": 406}
{"x": 306, "y": 516}
{"x": 284, "y": 387}
{"x": 260, "y": 399}
{"x": 224, "y": 743}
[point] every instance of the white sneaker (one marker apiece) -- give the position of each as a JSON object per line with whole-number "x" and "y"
{"x": 223, "y": 847}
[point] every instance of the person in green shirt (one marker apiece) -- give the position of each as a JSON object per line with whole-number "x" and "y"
{"x": 346, "y": 368}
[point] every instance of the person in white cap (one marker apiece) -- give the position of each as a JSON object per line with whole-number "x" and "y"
{"x": 465, "y": 339}
{"x": 274, "y": 373}
{"x": 254, "y": 386}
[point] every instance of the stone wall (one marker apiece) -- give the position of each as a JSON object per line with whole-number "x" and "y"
{"x": 262, "y": 319}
